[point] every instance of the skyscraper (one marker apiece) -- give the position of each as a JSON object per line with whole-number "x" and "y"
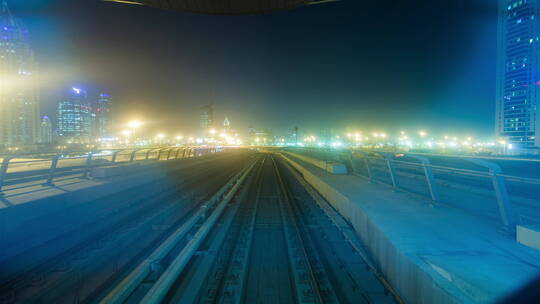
{"x": 226, "y": 125}
{"x": 518, "y": 73}
{"x": 206, "y": 118}
{"x": 75, "y": 117}
{"x": 102, "y": 112}
{"x": 19, "y": 103}
{"x": 45, "y": 131}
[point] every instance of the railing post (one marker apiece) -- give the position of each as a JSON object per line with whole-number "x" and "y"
{"x": 148, "y": 154}
{"x": 115, "y": 153}
{"x": 4, "y": 169}
{"x": 430, "y": 179}
{"x": 88, "y": 165}
{"x": 391, "y": 168}
{"x": 169, "y": 154}
{"x": 177, "y": 152}
{"x": 366, "y": 161}
{"x": 54, "y": 165}
{"x": 159, "y": 154}
{"x": 503, "y": 201}
{"x": 132, "y": 156}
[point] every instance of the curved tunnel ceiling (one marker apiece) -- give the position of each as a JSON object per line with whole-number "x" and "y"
{"x": 224, "y": 7}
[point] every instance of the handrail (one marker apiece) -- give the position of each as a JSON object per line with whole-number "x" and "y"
{"x": 385, "y": 161}
{"x": 82, "y": 161}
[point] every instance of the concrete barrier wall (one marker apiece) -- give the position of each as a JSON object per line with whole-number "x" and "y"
{"x": 328, "y": 166}
{"x": 413, "y": 282}
{"x": 47, "y": 216}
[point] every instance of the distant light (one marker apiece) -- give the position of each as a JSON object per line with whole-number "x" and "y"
{"x": 76, "y": 90}
{"x": 134, "y": 124}
{"x": 510, "y": 146}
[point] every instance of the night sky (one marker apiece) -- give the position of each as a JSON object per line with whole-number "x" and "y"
{"x": 371, "y": 65}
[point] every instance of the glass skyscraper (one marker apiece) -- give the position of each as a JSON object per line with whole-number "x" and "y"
{"x": 102, "y": 112}
{"x": 45, "y": 131}
{"x": 206, "y": 118}
{"x": 518, "y": 74}
{"x": 75, "y": 117}
{"x": 19, "y": 103}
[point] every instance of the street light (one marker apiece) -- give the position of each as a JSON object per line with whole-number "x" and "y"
{"x": 134, "y": 124}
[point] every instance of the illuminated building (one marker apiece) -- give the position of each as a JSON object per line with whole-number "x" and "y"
{"x": 75, "y": 117}
{"x": 518, "y": 75}
{"x": 206, "y": 117}
{"x": 102, "y": 115}
{"x": 19, "y": 102}
{"x": 221, "y": 7}
{"x": 226, "y": 125}
{"x": 45, "y": 131}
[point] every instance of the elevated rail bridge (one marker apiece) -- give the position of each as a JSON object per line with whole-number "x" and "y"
{"x": 262, "y": 225}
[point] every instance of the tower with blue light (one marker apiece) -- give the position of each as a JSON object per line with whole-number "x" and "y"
{"x": 19, "y": 102}
{"x": 75, "y": 117}
{"x": 518, "y": 74}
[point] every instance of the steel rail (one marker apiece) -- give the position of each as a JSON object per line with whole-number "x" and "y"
{"x": 349, "y": 234}
{"x": 161, "y": 287}
{"x": 124, "y": 289}
{"x": 218, "y": 245}
{"x": 294, "y": 233}
{"x": 233, "y": 292}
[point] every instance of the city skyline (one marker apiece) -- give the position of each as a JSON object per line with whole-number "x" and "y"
{"x": 247, "y": 81}
{"x": 19, "y": 91}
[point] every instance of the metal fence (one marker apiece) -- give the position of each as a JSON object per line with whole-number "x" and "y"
{"x": 477, "y": 184}
{"x": 21, "y": 168}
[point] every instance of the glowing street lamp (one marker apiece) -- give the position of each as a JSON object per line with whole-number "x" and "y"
{"x": 422, "y": 133}
{"x": 134, "y": 124}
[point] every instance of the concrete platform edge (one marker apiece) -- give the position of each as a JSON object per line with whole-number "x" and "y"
{"x": 412, "y": 279}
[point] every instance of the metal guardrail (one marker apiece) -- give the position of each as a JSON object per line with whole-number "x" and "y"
{"x": 372, "y": 160}
{"x": 48, "y": 166}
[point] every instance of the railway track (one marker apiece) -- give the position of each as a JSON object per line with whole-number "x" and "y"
{"x": 266, "y": 237}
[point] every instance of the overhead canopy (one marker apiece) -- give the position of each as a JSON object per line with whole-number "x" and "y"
{"x": 224, "y": 7}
